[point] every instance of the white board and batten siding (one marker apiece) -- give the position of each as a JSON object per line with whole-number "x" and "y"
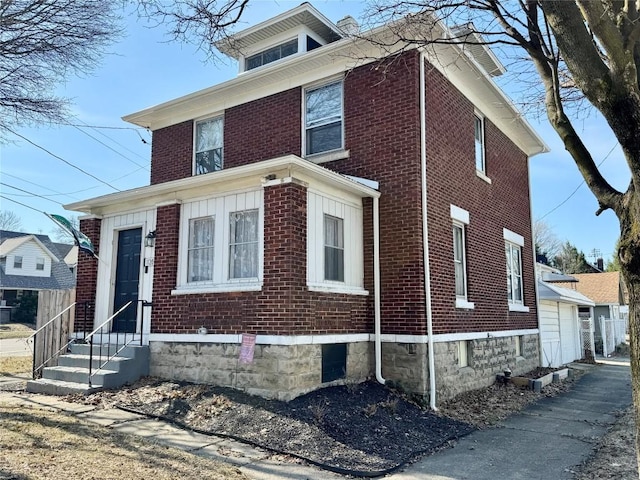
{"x": 349, "y": 209}
{"x": 109, "y": 231}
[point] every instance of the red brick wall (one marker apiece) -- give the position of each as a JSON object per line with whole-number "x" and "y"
{"x": 87, "y": 277}
{"x": 283, "y": 307}
{"x": 382, "y": 130}
{"x": 502, "y": 204}
{"x": 172, "y": 153}
{"x": 263, "y": 129}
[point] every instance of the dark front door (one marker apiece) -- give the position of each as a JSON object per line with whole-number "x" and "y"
{"x": 127, "y": 279}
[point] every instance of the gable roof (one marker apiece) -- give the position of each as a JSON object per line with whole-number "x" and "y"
{"x": 603, "y": 288}
{"x": 61, "y": 277}
{"x": 8, "y": 245}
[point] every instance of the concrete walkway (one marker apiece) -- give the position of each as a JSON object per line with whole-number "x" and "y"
{"x": 545, "y": 441}
{"x": 16, "y": 347}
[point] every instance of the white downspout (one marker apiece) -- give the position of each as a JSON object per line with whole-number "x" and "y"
{"x": 425, "y": 238}
{"x": 376, "y": 288}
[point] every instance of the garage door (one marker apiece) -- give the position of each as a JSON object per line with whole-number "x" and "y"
{"x": 569, "y": 335}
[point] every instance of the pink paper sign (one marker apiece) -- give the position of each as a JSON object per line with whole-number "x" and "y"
{"x": 247, "y": 348}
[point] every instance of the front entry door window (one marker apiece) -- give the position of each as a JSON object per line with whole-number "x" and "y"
{"x": 127, "y": 280}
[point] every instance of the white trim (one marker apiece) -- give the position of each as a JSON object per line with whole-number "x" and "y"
{"x": 168, "y": 203}
{"x": 483, "y": 176}
{"x": 230, "y": 287}
{"x": 365, "y": 181}
{"x": 462, "y": 303}
{"x": 455, "y": 337}
{"x": 513, "y": 237}
{"x": 516, "y": 307}
{"x": 283, "y": 181}
{"x": 327, "y": 288}
{"x": 331, "y": 156}
{"x": 334, "y": 338}
{"x": 459, "y": 214}
{"x": 260, "y": 339}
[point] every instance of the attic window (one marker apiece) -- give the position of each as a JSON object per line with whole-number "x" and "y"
{"x": 272, "y": 54}
{"x": 17, "y": 261}
{"x": 40, "y": 263}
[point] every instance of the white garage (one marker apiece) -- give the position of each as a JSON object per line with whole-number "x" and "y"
{"x": 560, "y": 329}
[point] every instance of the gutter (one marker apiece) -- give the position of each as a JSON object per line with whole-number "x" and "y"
{"x": 425, "y": 238}
{"x": 376, "y": 289}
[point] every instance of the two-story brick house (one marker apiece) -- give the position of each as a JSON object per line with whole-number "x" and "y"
{"x": 360, "y": 217}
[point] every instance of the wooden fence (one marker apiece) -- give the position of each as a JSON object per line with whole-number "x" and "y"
{"x": 53, "y": 337}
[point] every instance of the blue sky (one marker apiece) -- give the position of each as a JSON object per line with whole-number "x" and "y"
{"x": 146, "y": 69}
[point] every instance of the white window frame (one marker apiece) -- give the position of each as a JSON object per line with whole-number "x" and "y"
{"x": 514, "y": 241}
{"x": 460, "y": 219}
{"x": 295, "y": 39}
{"x": 192, "y": 249}
{"x": 306, "y": 128}
{"x": 340, "y": 223}
{"x": 479, "y": 143}
{"x": 40, "y": 264}
{"x": 253, "y": 243}
{"x": 221, "y": 207}
{"x": 18, "y": 261}
{"x": 215, "y": 118}
{"x": 463, "y": 353}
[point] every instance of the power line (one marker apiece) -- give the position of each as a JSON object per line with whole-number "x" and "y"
{"x": 578, "y": 187}
{"x": 46, "y": 188}
{"x": 20, "y": 203}
{"x": 65, "y": 161}
{"x": 111, "y": 148}
{"x": 30, "y": 193}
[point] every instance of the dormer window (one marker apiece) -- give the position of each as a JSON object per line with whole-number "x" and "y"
{"x": 272, "y": 54}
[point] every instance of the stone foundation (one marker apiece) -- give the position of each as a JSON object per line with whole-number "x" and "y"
{"x": 277, "y": 371}
{"x": 407, "y": 364}
{"x": 287, "y": 371}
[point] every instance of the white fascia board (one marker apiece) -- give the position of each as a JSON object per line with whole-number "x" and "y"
{"x": 246, "y": 176}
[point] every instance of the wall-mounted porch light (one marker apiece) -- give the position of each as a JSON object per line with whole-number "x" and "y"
{"x": 150, "y": 239}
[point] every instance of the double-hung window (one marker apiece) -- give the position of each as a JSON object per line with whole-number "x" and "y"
{"x": 460, "y": 220}
{"x": 478, "y": 122}
{"x": 17, "y": 261}
{"x": 243, "y": 244}
{"x": 40, "y": 263}
{"x": 513, "y": 255}
{"x": 323, "y": 118}
{"x": 333, "y": 248}
{"x": 514, "y": 273}
{"x": 459, "y": 260}
{"x": 200, "y": 250}
{"x": 208, "y": 145}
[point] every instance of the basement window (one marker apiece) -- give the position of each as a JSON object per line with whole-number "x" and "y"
{"x": 334, "y": 362}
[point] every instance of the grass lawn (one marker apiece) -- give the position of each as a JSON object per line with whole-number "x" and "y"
{"x": 43, "y": 444}
{"x": 16, "y": 330}
{"x": 13, "y": 365}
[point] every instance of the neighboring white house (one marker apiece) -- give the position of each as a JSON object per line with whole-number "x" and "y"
{"x": 30, "y": 263}
{"x": 560, "y": 325}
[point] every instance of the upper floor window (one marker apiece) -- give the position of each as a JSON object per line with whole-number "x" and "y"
{"x": 333, "y": 248}
{"x": 272, "y": 54}
{"x": 40, "y": 263}
{"x": 208, "y": 145}
{"x": 323, "y": 118}
{"x": 200, "y": 250}
{"x": 243, "y": 244}
{"x": 17, "y": 261}
{"x": 479, "y": 143}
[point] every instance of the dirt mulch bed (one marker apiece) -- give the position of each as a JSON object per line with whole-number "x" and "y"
{"x": 355, "y": 428}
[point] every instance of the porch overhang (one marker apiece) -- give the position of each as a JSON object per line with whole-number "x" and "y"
{"x": 253, "y": 175}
